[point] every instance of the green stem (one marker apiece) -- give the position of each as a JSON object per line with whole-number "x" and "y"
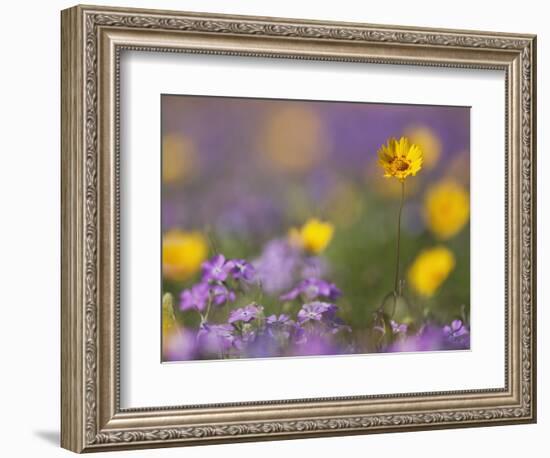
{"x": 204, "y": 318}
{"x": 396, "y": 283}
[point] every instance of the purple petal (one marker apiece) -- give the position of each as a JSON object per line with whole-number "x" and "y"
{"x": 218, "y": 260}
{"x": 456, "y": 325}
{"x": 291, "y": 295}
{"x": 462, "y": 331}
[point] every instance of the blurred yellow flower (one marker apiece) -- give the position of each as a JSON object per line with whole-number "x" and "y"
{"x": 430, "y": 269}
{"x": 400, "y": 158}
{"x": 169, "y": 324}
{"x": 179, "y": 158}
{"x": 182, "y": 254}
{"x": 314, "y": 236}
{"x": 446, "y": 208}
{"x": 427, "y": 141}
{"x": 293, "y": 139}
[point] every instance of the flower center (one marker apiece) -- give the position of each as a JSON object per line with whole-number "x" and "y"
{"x": 312, "y": 291}
{"x": 401, "y": 165}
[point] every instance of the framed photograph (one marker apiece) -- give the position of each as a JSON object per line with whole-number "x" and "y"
{"x": 278, "y": 228}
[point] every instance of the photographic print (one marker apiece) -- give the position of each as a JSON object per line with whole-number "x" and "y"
{"x": 307, "y": 228}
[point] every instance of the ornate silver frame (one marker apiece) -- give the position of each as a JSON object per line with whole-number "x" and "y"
{"x": 92, "y": 40}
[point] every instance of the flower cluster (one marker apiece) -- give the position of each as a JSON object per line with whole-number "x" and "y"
{"x": 247, "y": 331}
{"x": 430, "y": 337}
{"x": 281, "y": 262}
{"x": 313, "y": 288}
{"x": 215, "y": 289}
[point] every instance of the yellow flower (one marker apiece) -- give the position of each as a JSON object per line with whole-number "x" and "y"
{"x": 293, "y": 139}
{"x": 169, "y": 324}
{"x": 314, "y": 236}
{"x": 430, "y": 269}
{"x": 182, "y": 254}
{"x": 179, "y": 159}
{"x": 400, "y": 158}
{"x": 446, "y": 209}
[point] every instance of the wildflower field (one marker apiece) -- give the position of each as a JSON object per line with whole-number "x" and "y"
{"x": 295, "y": 228}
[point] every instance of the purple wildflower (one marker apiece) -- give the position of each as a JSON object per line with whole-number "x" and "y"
{"x": 313, "y": 267}
{"x": 276, "y": 266}
{"x": 434, "y": 338}
{"x": 180, "y": 346}
{"x": 278, "y": 320}
{"x": 316, "y": 311}
{"x": 221, "y": 294}
{"x": 195, "y": 298}
{"x": 299, "y": 334}
{"x": 456, "y": 333}
{"x": 256, "y": 344}
{"x": 216, "y": 337}
{"x": 312, "y": 288}
{"x": 315, "y": 345}
{"x": 216, "y": 269}
{"x": 336, "y": 325}
{"x": 242, "y": 270}
{"x": 248, "y": 336}
{"x": 399, "y": 328}
{"x": 279, "y": 326}
{"x": 245, "y": 314}
{"x": 428, "y": 338}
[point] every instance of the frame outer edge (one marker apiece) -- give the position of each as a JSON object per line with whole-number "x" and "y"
{"x": 81, "y": 376}
{"x": 533, "y": 213}
{"x": 72, "y": 226}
